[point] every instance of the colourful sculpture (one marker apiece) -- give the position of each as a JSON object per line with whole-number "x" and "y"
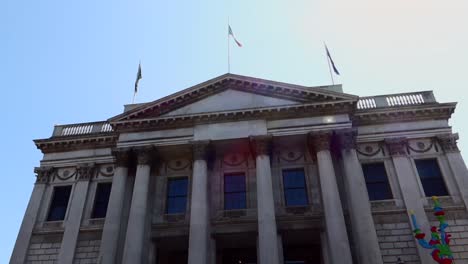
{"x": 440, "y": 240}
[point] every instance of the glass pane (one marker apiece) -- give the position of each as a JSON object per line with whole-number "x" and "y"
{"x": 294, "y": 178}
{"x": 428, "y": 169}
{"x": 379, "y": 191}
{"x": 101, "y": 200}
{"x": 434, "y": 187}
{"x": 374, "y": 172}
{"x": 431, "y": 177}
{"x": 59, "y": 203}
{"x": 234, "y": 201}
{"x": 234, "y": 183}
{"x": 295, "y": 197}
{"x": 177, "y": 187}
{"x": 176, "y": 205}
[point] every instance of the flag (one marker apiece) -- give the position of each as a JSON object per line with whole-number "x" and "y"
{"x": 331, "y": 61}
{"x": 230, "y": 33}
{"x": 138, "y": 77}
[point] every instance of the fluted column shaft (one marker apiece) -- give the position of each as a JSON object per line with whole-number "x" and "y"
{"x": 111, "y": 230}
{"x": 199, "y": 238}
{"x": 134, "y": 239}
{"x": 267, "y": 231}
{"x": 363, "y": 228}
{"x": 409, "y": 187}
{"x": 333, "y": 210}
{"x": 73, "y": 220}
{"x": 29, "y": 220}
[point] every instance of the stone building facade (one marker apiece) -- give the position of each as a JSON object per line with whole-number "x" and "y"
{"x": 245, "y": 170}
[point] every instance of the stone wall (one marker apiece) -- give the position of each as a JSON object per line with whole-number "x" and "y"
{"x": 459, "y": 242}
{"x": 44, "y": 249}
{"x": 396, "y": 241}
{"x": 87, "y": 248}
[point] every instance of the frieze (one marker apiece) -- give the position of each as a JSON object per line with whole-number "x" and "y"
{"x": 106, "y": 171}
{"x": 234, "y": 159}
{"x": 291, "y": 155}
{"x": 178, "y": 164}
{"x": 370, "y": 150}
{"x": 421, "y": 146}
{"x": 64, "y": 174}
{"x": 448, "y": 142}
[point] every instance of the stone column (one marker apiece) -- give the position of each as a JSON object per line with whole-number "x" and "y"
{"x": 333, "y": 210}
{"x": 73, "y": 220}
{"x": 111, "y": 230}
{"x": 199, "y": 238}
{"x": 325, "y": 248}
{"x": 362, "y": 223}
{"x": 134, "y": 239}
{"x": 267, "y": 232}
{"x": 456, "y": 163}
{"x": 409, "y": 186}
{"x": 29, "y": 220}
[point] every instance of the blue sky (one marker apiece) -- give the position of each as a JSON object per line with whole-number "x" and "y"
{"x": 75, "y": 61}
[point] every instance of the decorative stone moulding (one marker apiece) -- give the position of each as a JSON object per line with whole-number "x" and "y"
{"x": 234, "y": 159}
{"x": 261, "y": 145}
{"x": 145, "y": 155}
{"x": 448, "y": 142}
{"x": 178, "y": 164}
{"x": 291, "y": 155}
{"x": 370, "y": 149}
{"x": 122, "y": 157}
{"x": 200, "y": 149}
{"x": 321, "y": 140}
{"x": 422, "y": 146}
{"x": 397, "y": 146}
{"x": 86, "y": 172}
{"x": 43, "y": 174}
{"x": 347, "y": 138}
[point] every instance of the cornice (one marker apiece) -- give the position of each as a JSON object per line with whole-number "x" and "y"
{"x": 300, "y": 110}
{"x": 404, "y": 114}
{"x": 70, "y": 143}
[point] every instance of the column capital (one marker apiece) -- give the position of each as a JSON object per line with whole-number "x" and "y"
{"x": 86, "y": 171}
{"x": 448, "y": 142}
{"x": 397, "y": 146}
{"x": 321, "y": 140}
{"x": 261, "y": 144}
{"x": 43, "y": 174}
{"x": 200, "y": 149}
{"x": 122, "y": 157}
{"x": 145, "y": 155}
{"x": 347, "y": 138}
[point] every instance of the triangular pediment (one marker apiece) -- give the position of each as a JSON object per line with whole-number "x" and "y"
{"x": 228, "y": 100}
{"x": 231, "y": 92}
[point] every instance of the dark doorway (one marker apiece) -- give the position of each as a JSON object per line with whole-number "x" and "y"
{"x": 302, "y": 255}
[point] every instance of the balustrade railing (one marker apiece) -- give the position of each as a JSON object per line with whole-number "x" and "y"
{"x": 81, "y": 129}
{"x": 392, "y": 100}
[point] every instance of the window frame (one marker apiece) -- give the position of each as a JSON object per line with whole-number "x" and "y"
{"x": 306, "y": 189}
{"x": 51, "y": 199}
{"x": 167, "y": 196}
{"x": 387, "y": 174}
{"x": 420, "y": 182}
{"x": 234, "y": 173}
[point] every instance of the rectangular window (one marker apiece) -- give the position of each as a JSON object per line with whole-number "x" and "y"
{"x": 377, "y": 181}
{"x": 59, "y": 204}
{"x": 177, "y": 195}
{"x": 234, "y": 192}
{"x": 101, "y": 200}
{"x": 295, "y": 190}
{"x": 431, "y": 177}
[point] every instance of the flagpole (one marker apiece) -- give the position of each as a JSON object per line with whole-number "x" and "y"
{"x": 229, "y": 49}
{"x": 329, "y": 66}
